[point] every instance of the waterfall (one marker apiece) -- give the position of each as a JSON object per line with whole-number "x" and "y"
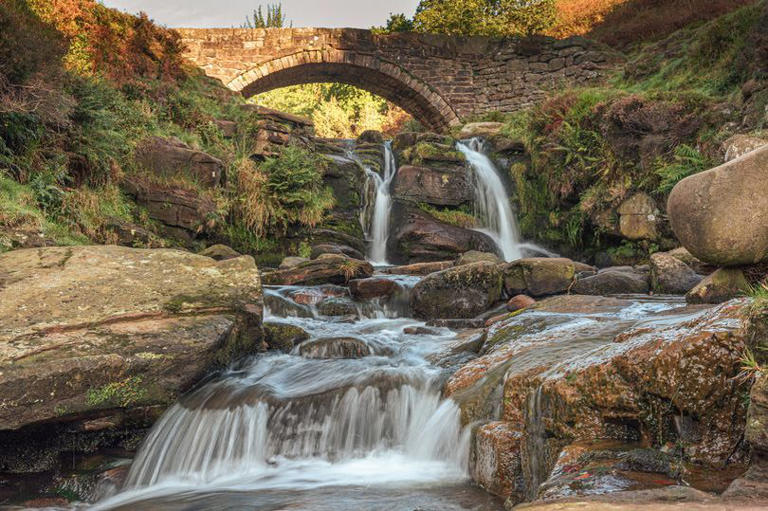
{"x": 382, "y": 207}
{"x": 491, "y": 201}
{"x": 220, "y": 436}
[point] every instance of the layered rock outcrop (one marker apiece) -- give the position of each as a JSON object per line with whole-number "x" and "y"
{"x": 92, "y": 336}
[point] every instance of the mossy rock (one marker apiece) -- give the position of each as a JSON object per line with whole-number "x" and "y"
{"x": 283, "y": 337}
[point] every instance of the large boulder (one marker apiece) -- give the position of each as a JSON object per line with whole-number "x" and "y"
{"x": 440, "y": 187}
{"x": 88, "y": 330}
{"x": 367, "y": 289}
{"x": 419, "y": 237}
{"x": 669, "y": 275}
{"x": 613, "y": 281}
{"x": 461, "y": 292}
{"x": 538, "y": 276}
{"x": 170, "y": 157}
{"x": 721, "y": 286}
{"x": 326, "y": 269}
{"x": 721, "y": 215}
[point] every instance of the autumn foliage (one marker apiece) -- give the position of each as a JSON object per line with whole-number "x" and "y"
{"x": 110, "y": 43}
{"x": 623, "y": 22}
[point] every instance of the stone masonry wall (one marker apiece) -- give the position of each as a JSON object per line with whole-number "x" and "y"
{"x": 439, "y": 79}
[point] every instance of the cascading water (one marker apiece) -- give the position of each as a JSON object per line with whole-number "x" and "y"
{"x": 491, "y": 201}
{"x": 382, "y": 206}
{"x": 287, "y": 423}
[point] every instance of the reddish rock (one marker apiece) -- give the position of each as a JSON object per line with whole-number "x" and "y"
{"x": 366, "y": 289}
{"x": 520, "y": 302}
{"x": 170, "y": 157}
{"x": 495, "y": 461}
{"x": 419, "y": 268}
{"x": 440, "y": 187}
{"x": 328, "y": 269}
{"x": 419, "y": 237}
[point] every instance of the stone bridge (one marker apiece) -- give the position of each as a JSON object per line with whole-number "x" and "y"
{"x": 438, "y": 79}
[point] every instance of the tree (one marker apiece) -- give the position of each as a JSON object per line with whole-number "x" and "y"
{"x": 498, "y": 18}
{"x": 396, "y": 23}
{"x": 273, "y": 19}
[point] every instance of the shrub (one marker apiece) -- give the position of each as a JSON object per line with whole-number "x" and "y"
{"x": 283, "y": 191}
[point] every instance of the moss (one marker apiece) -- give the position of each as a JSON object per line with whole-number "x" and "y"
{"x": 460, "y": 217}
{"x": 124, "y": 393}
{"x": 431, "y": 151}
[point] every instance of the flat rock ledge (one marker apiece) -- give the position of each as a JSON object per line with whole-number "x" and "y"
{"x": 88, "y": 334}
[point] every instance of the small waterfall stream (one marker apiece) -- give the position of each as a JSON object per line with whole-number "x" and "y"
{"x": 287, "y": 426}
{"x": 382, "y": 206}
{"x": 491, "y": 201}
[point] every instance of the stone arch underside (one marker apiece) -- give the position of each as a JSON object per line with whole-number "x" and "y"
{"x": 364, "y": 71}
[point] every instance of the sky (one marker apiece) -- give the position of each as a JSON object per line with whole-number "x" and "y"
{"x": 303, "y": 13}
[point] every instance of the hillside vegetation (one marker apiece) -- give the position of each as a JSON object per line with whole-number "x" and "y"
{"x": 660, "y": 119}
{"x": 81, "y": 86}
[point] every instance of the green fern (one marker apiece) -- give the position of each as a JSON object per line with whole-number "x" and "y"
{"x": 687, "y": 161}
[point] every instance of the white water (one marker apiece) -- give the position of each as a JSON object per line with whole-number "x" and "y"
{"x": 382, "y": 207}
{"x": 491, "y": 201}
{"x": 289, "y": 423}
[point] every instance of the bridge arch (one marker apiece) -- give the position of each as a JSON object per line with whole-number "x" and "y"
{"x": 367, "y": 72}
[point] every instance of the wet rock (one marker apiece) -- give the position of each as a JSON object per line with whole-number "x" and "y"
{"x": 520, "y": 302}
{"x": 480, "y": 129}
{"x": 220, "y": 252}
{"x": 285, "y": 307}
{"x": 419, "y": 330}
{"x": 330, "y": 269}
{"x": 419, "y": 237}
{"x": 721, "y": 286}
{"x": 337, "y": 307}
{"x": 335, "y": 347}
{"x": 367, "y": 289}
{"x": 316, "y": 294}
{"x": 332, "y": 248}
{"x": 419, "y": 268}
{"x": 170, "y": 157}
{"x": 739, "y": 145}
{"x": 608, "y": 467}
{"x": 462, "y": 292}
{"x": 538, "y": 276}
{"x": 495, "y": 461}
{"x": 671, "y": 276}
{"x": 694, "y": 263}
{"x": 89, "y": 329}
{"x": 613, "y": 281}
{"x": 721, "y": 215}
{"x": 633, "y": 389}
{"x": 473, "y": 256}
{"x": 639, "y": 218}
{"x": 283, "y": 336}
{"x": 292, "y": 262}
{"x": 457, "y": 324}
{"x": 436, "y": 186}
